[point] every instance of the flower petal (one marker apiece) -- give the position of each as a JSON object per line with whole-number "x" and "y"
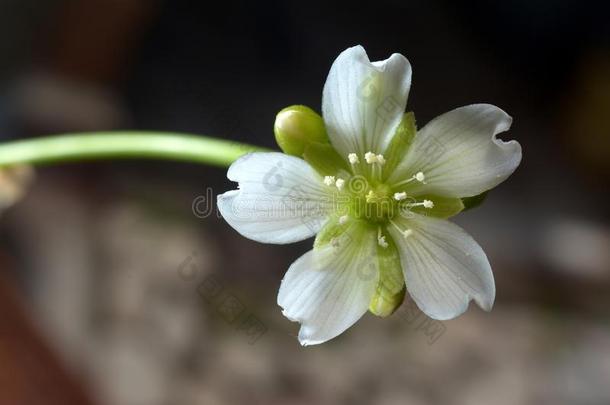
{"x": 280, "y": 199}
{"x": 444, "y": 267}
{"x": 363, "y": 102}
{"x": 459, "y": 154}
{"x": 330, "y": 287}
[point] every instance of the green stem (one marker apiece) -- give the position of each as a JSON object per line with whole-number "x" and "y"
{"x": 123, "y": 145}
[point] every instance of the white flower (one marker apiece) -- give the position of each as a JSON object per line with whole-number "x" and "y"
{"x": 385, "y": 223}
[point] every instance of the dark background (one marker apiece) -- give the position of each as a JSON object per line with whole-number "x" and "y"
{"x": 115, "y": 291}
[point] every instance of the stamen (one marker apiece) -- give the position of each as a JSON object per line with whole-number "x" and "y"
{"x": 400, "y": 196}
{"x": 370, "y": 158}
{"x": 340, "y": 183}
{"x": 419, "y": 176}
{"x": 353, "y": 158}
{"x": 329, "y": 180}
{"x": 343, "y": 219}
{"x": 382, "y": 242}
{"x": 381, "y": 239}
{"x": 380, "y": 159}
{"x": 404, "y": 232}
{"x": 425, "y": 204}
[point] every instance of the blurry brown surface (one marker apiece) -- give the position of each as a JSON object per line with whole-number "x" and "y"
{"x": 30, "y": 373}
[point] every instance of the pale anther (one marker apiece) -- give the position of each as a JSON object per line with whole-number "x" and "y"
{"x": 340, "y": 183}
{"x": 419, "y": 176}
{"x": 380, "y": 159}
{"x": 406, "y": 233}
{"x": 400, "y": 196}
{"x": 370, "y": 157}
{"x": 329, "y": 180}
{"x": 382, "y": 242}
{"x": 343, "y": 219}
{"x": 428, "y": 204}
{"x": 353, "y": 158}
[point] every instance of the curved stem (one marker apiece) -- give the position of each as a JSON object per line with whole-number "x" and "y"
{"x": 123, "y": 145}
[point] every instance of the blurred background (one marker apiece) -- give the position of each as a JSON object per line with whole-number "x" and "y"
{"x": 119, "y": 284}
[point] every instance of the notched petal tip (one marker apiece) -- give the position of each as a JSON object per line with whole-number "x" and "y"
{"x": 359, "y": 54}
{"x": 280, "y": 198}
{"x": 486, "y": 304}
{"x": 304, "y": 333}
{"x": 306, "y": 341}
{"x": 460, "y": 153}
{"x": 512, "y": 148}
{"x": 363, "y": 101}
{"x": 234, "y": 169}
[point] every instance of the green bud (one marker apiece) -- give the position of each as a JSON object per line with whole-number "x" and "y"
{"x": 298, "y": 126}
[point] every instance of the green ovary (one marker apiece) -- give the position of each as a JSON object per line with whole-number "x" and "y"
{"x": 375, "y": 203}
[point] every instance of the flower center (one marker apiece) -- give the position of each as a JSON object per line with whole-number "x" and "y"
{"x": 363, "y": 194}
{"x": 377, "y": 204}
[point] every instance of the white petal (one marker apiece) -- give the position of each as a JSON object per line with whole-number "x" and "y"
{"x": 459, "y": 154}
{"x": 329, "y": 288}
{"x": 280, "y": 199}
{"x": 363, "y": 102}
{"x": 444, "y": 267}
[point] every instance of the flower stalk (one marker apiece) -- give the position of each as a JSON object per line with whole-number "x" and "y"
{"x": 124, "y": 145}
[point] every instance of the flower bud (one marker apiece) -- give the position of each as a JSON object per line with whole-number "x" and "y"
{"x": 296, "y": 127}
